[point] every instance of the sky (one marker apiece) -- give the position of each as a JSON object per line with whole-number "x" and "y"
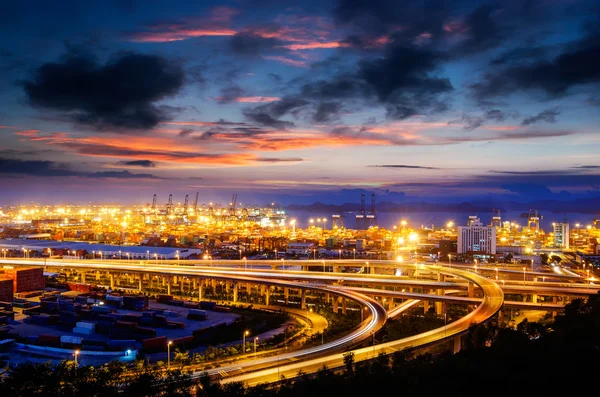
{"x": 299, "y": 101}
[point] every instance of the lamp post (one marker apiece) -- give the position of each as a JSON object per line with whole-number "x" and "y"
{"x": 524, "y": 274}
{"x": 100, "y": 252}
{"x": 496, "y": 269}
{"x": 368, "y": 268}
{"x": 340, "y": 252}
{"x": 147, "y": 254}
{"x": 244, "y": 341}
{"x": 169, "y": 343}
{"x": 127, "y": 256}
{"x": 240, "y": 254}
{"x": 323, "y": 263}
{"x": 245, "y": 263}
{"x": 354, "y": 253}
{"x": 156, "y": 258}
{"x": 177, "y": 256}
{"x": 76, "y": 353}
{"x": 120, "y": 255}
{"x": 314, "y": 254}
{"x": 255, "y": 340}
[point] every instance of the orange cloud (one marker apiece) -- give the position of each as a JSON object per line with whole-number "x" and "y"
{"x": 315, "y": 45}
{"x": 287, "y": 61}
{"x": 177, "y": 34}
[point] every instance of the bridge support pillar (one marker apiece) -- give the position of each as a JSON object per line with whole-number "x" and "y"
{"x": 344, "y": 305}
{"x": 337, "y": 269}
{"x": 534, "y": 298}
{"x": 500, "y": 317}
{"x": 439, "y": 309}
{"x": 213, "y": 283}
{"x": 273, "y": 267}
{"x": 390, "y": 303}
{"x": 303, "y": 299}
{"x": 554, "y": 300}
{"x": 524, "y": 297}
{"x": 335, "y": 304}
{"x": 471, "y": 289}
{"x": 200, "y": 290}
{"x": 235, "y": 292}
{"x": 268, "y": 296}
{"x": 140, "y": 282}
{"x": 286, "y": 294}
{"x": 83, "y": 277}
{"x": 441, "y": 277}
{"x": 181, "y": 285}
{"x": 168, "y": 285}
{"x": 457, "y": 344}
{"x": 425, "y": 306}
{"x": 97, "y": 276}
{"x": 194, "y": 283}
{"x": 111, "y": 277}
{"x": 304, "y": 268}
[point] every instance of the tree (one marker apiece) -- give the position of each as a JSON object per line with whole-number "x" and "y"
{"x": 181, "y": 356}
{"x": 349, "y": 363}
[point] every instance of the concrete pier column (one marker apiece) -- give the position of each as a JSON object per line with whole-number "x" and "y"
{"x": 194, "y": 283}
{"x": 471, "y": 289}
{"x": 97, "y": 276}
{"x": 457, "y": 344}
{"x": 200, "y": 290}
{"x": 268, "y": 296}
{"x": 304, "y": 268}
{"x": 555, "y": 301}
{"x": 534, "y": 298}
{"x": 337, "y": 269}
{"x": 111, "y": 277}
{"x": 273, "y": 267}
{"x": 83, "y": 277}
{"x": 344, "y": 305}
{"x": 335, "y": 304}
{"x": 213, "y": 283}
{"x": 326, "y": 298}
{"x": 168, "y": 285}
{"x": 163, "y": 280}
{"x": 286, "y": 294}
{"x": 235, "y": 292}
{"x": 425, "y": 306}
{"x": 140, "y": 282}
{"x": 303, "y": 299}
{"x": 441, "y": 277}
{"x": 501, "y": 316}
{"x": 390, "y": 303}
{"x": 181, "y": 284}
{"x": 524, "y": 297}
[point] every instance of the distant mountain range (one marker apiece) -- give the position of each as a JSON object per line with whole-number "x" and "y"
{"x": 587, "y": 205}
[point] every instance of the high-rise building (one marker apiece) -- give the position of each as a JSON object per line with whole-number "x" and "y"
{"x": 476, "y": 238}
{"x": 561, "y": 235}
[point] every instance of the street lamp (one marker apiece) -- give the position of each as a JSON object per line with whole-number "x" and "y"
{"x": 177, "y": 256}
{"x": 255, "y": 340}
{"x": 323, "y": 263}
{"x": 354, "y": 253}
{"x": 147, "y": 254}
{"x": 127, "y": 255}
{"x": 100, "y": 252}
{"x": 169, "y": 343}
{"x": 496, "y": 269}
{"x": 120, "y": 255}
{"x": 524, "y": 274}
{"x": 240, "y": 254}
{"x": 156, "y": 258}
{"x": 368, "y": 268}
{"x": 314, "y": 254}
{"x": 340, "y": 252}
{"x": 245, "y": 263}
{"x": 244, "y": 341}
{"x": 76, "y": 353}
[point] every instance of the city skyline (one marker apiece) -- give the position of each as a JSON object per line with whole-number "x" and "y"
{"x": 299, "y": 102}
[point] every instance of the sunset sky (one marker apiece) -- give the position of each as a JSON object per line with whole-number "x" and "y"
{"x": 299, "y": 101}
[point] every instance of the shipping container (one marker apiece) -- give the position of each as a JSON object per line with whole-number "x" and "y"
{"x": 84, "y": 331}
{"x": 115, "y": 344}
{"x": 83, "y": 324}
{"x": 207, "y": 305}
{"x": 157, "y": 344}
{"x": 190, "y": 304}
{"x": 219, "y": 308}
{"x": 75, "y": 340}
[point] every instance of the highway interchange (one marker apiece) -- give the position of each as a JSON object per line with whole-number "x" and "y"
{"x": 270, "y": 369}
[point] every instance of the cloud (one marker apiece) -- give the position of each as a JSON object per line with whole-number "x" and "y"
{"x": 587, "y": 167}
{"x": 327, "y": 111}
{"x": 138, "y": 163}
{"x": 95, "y": 95}
{"x": 280, "y": 160}
{"x": 249, "y": 44}
{"x": 548, "y": 116}
{"x": 269, "y": 114}
{"x": 404, "y": 80}
{"x": 286, "y": 60}
{"x": 470, "y": 122}
{"x": 404, "y": 166}
{"x": 554, "y": 77}
{"x": 53, "y": 169}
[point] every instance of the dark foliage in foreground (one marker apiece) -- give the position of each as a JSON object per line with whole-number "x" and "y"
{"x": 532, "y": 360}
